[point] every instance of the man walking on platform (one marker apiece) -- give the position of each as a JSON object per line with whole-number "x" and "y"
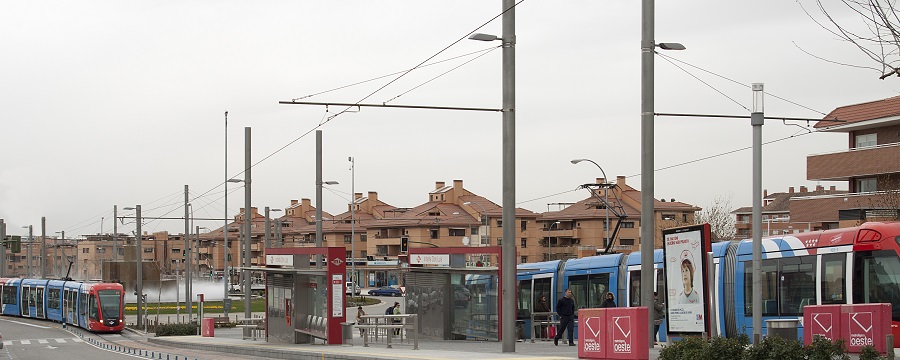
{"x": 565, "y": 308}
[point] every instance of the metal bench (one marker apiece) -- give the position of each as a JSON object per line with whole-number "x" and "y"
{"x": 316, "y": 326}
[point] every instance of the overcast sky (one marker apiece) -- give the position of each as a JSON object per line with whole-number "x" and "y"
{"x": 122, "y": 102}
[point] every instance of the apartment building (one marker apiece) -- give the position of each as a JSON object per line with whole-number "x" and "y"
{"x": 868, "y": 166}
{"x": 776, "y": 213}
{"x": 611, "y": 211}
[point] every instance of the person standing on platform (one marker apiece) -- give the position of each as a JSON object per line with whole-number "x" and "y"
{"x": 660, "y": 309}
{"x": 360, "y": 320}
{"x": 542, "y": 307}
{"x": 565, "y": 308}
{"x": 610, "y": 301}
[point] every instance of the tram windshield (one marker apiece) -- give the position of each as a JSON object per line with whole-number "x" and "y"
{"x": 110, "y": 303}
{"x": 876, "y": 279}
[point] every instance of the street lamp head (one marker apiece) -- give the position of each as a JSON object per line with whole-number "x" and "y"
{"x": 577, "y": 161}
{"x": 274, "y": 210}
{"x": 235, "y": 180}
{"x": 332, "y": 182}
{"x": 128, "y": 208}
{"x": 483, "y": 37}
{"x": 670, "y": 46}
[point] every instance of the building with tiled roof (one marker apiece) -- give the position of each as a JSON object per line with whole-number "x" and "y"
{"x": 869, "y": 166}
{"x": 776, "y": 213}
{"x": 580, "y": 229}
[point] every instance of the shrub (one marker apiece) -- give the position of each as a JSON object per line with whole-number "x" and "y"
{"x": 774, "y": 347}
{"x": 869, "y": 353}
{"x": 688, "y": 348}
{"x": 823, "y": 349}
{"x": 176, "y": 329}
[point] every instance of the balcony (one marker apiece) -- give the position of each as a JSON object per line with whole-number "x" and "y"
{"x": 385, "y": 241}
{"x": 855, "y": 162}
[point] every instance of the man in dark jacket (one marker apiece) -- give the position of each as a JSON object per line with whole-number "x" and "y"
{"x": 565, "y": 308}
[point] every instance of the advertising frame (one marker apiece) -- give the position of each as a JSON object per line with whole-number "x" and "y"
{"x": 686, "y": 248}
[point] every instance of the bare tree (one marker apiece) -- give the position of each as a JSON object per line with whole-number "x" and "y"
{"x": 718, "y": 215}
{"x": 877, "y": 35}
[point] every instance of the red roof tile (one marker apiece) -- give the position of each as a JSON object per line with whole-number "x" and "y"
{"x": 872, "y": 110}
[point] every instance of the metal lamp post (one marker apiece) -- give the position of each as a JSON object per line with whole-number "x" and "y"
{"x": 549, "y": 243}
{"x": 605, "y": 195}
{"x": 138, "y": 250}
{"x": 28, "y": 249}
{"x": 353, "y": 278}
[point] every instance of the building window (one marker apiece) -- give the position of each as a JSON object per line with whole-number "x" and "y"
{"x": 684, "y": 217}
{"x": 524, "y": 243}
{"x": 347, "y": 239}
{"x": 668, "y": 217}
{"x": 85, "y": 250}
{"x": 626, "y": 241}
{"x": 435, "y": 233}
{"x": 628, "y": 225}
{"x": 362, "y": 237}
{"x": 524, "y": 225}
{"x": 499, "y": 241}
{"x": 499, "y": 223}
{"x": 148, "y": 250}
{"x": 866, "y": 140}
{"x": 866, "y": 185}
{"x": 457, "y": 232}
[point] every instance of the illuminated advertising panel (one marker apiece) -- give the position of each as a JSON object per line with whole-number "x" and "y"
{"x": 686, "y": 281}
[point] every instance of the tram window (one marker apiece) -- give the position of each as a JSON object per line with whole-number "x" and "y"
{"x": 876, "y": 275}
{"x": 53, "y": 299}
{"x": 588, "y": 290}
{"x": 9, "y": 295}
{"x": 832, "y": 278}
{"x": 769, "y": 295}
{"x": 526, "y": 298}
{"x": 544, "y": 287}
{"x": 93, "y": 314}
{"x": 797, "y": 283}
{"x": 635, "y": 288}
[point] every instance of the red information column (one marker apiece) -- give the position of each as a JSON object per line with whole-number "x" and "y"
{"x": 592, "y": 333}
{"x": 626, "y": 330}
{"x": 865, "y": 325}
{"x": 822, "y": 320}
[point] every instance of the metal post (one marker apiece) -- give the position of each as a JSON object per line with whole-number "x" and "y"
{"x": 188, "y": 279}
{"x": 56, "y": 258}
{"x": 197, "y": 247}
{"x": 268, "y": 229}
{"x": 226, "y": 276}
{"x": 43, "y": 247}
{"x": 139, "y": 261}
{"x": 30, "y": 243}
{"x": 318, "y": 196}
{"x": 648, "y": 217}
{"x": 247, "y": 219}
{"x": 711, "y": 268}
{"x": 115, "y": 233}
{"x": 2, "y": 248}
{"x": 756, "y": 121}
{"x": 508, "y": 249}
{"x": 353, "y": 225}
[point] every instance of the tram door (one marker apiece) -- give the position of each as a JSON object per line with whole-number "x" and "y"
{"x": 26, "y": 301}
{"x": 39, "y": 303}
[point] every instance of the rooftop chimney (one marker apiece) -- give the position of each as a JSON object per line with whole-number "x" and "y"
{"x": 620, "y": 181}
{"x": 820, "y": 188}
{"x": 791, "y": 189}
{"x": 357, "y": 196}
{"x": 373, "y": 198}
{"x": 803, "y": 189}
{"x": 294, "y": 202}
{"x": 438, "y": 185}
{"x": 832, "y": 188}
{"x": 765, "y": 193}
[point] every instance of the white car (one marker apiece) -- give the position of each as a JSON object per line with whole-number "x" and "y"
{"x": 349, "y": 289}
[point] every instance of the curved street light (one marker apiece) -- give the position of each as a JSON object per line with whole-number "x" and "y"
{"x": 605, "y": 193}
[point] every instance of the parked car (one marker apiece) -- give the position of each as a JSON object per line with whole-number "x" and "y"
{"x": 385, "y": 291}
{"x": 349, "y": 289}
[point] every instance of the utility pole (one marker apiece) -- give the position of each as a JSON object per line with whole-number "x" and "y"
{"x": 2, "y": 248}
{"x": 247, "y": 218}
{"x": 115, "y": 233}
{"x": 757, "y": 119}
{"x": 508, "y": 249}
{"x": 187, "y": 257}
{"x": 43, "y": 247}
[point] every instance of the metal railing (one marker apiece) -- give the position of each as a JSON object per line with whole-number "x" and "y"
{"x": 388, "y": 326}
{"x": 540, "y": 322}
